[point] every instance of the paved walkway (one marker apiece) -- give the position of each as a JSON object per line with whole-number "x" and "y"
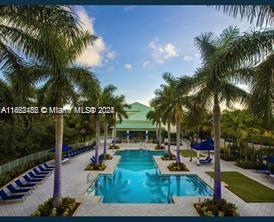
{"x": 75, "y": 182}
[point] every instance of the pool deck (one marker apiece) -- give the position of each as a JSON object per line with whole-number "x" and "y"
{"x": 75, "y": 181}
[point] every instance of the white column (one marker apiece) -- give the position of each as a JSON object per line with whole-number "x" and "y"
{"x": 127, "y": 136}
{"x": 146, "y": 136}
{"x": 198, "y": 157}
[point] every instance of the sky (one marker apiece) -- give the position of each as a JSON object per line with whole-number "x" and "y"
{"x": 137, "y": 44}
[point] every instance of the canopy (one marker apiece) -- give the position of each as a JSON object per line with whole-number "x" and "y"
{"x": 65, "y": 148}
{"x": 269, "y": 159}
{"x": 205, "y": 145}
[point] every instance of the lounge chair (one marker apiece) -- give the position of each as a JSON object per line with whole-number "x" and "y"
{"x": 43, "y": 169}
{"x": 48, "y": 166}
{"x": 93, "y": 160}
{"x": 205, "y": 161}
{"x": 36, "y": 171}
{"x": 12, "y": 189}
{"x": 64, "y": 159}
{"x": 31, "y": 180}
{"x": 6, "y": 197}
{"x": 23, "y": 185}
{"x": 31, "y": 174}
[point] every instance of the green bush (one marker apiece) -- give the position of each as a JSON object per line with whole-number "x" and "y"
{"x": 159, "y": 147}
{"x": 96, "y": 167}
{"x": 177, "y": 167}
{"x": 211, "y": 208}
{"x": 67, "y": 208}
{"x": 248, "y": 164}
{"x": 228, "y": 157}
{"x": 10, "y": 175}
{"x": 168, "y": 156}
{"x": 116, "y": 147}
{"x": 105, "y": 157}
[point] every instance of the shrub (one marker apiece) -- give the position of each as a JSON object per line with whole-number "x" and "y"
{"x": 10, "y": 175}
{"x": 116, "y": 147}
{"x": 228, "y": 157}
{"x": 248, "y": 164}
{"x": 168, "y": 156}
{"x": 67, "y": 208}
{"x": 105, "y": 157}
{"x": 91, "y": 166}
{"x": 159, "y": 147}
{"x": 211, "y": 208}
{"x": 177, "y": 167}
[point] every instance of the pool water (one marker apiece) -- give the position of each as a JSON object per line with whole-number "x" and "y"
{"x": 137, "y": 180}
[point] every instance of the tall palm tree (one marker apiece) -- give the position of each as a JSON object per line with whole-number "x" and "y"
{"x": 120, "y": 113}
{"x": 261, "y": 14}
{"x": 171, "y": 101}
{"x": 25, "y": 31}
{"x": 213, "y": 85}
{"x": 155, "y": 116}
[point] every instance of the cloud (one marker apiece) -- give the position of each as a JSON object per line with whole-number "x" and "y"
{"x": 128, "y": 66}
{"x": 187, "y": 58}
{"x": 94, "y": 54}
{"x": 111, "y": 55}
{"x": 147, "y": 64}
{"x": 161, "y": 53}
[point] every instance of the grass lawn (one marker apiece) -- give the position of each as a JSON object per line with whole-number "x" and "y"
{"x": 246, "y": 188}
{"x": 186, "y": 153}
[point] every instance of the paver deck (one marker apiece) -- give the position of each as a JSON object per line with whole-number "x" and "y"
{"x": 75, "y": 181}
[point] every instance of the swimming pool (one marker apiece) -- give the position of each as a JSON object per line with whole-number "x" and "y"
{"x": 137, "y": 180}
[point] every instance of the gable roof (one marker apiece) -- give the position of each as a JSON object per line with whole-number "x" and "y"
{"x": 137, "y": 119}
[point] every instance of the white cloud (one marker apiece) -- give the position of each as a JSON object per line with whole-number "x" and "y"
{"x": 128, "y": 66}
{"x": 111, "y": 55}
{"x": 147, "y": 64}
{"x": 94, "y": 54}
{"x": 188, "y": 58}
{"x": 161, "y": 53}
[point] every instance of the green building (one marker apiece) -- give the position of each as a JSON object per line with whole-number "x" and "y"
{"x": 137, "y": 128}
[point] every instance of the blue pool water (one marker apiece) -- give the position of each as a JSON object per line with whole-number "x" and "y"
{"x": 137, "y": 180}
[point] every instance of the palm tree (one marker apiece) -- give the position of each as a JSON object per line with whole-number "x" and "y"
{"x": 171, "y": 101}
{"x": 155, "y": 116}
{"x": 25, "y": 31}
{"x": 223, "y": 59}
{"x": 213, "y": 85}
{"x": 261, "y": 14}
{"x": 120, "y": 106}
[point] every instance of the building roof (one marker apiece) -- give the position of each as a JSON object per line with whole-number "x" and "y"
{"x": 137, "y": 120}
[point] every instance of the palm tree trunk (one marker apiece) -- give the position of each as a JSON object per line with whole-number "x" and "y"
{"x": 168, "y": 137}
{"x": 105, "y": 137}
{"x": 160, "y": 134}
{"x": 178, "y": 158}
{"x": 114, "y": 130}
{"x": 157, "y": 134}
{"x": 217, "y": 168}
{"x": 57, "y": 191}
{"x": 97, "y": 140}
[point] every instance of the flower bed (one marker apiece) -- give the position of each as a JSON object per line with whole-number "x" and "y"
{"x": 177, "y": 167}
{"x": 96, "y": 167}
{"x": 105, "y": 157}
{"x": 67, "y": 208}
{"x": 159, "y": 147}
{"x": 116, "y": 147}
{"x": 211, "y": 208}
{"x": 168, "y": 156}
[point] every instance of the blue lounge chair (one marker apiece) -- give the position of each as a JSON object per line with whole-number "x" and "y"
{"x": 31, "y": 174}
{"x": 205, "y": 161}
{"x": 43, "y": 169}
{"x": 4, "y": 196}
{"x": 31, "y": 180}
{"x": 39, "y": 172}
{"x": 23, "y": 185}
{"x": 48, "y": 166}
{"x": 12, "y": 189}
{"x": 93, "y": 160}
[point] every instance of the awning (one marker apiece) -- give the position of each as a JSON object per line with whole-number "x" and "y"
{"x": 205, "y": 145}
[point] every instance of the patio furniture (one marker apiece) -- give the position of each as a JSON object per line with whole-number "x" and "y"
{"x": 31, "y": 174}
{"x": 205, "y": 145}
{"x": 7, "y": 197}
{"x": 39, "y": 172}
{"x": 23, "y": 185}
{"x": 48, "y": 166}
{"x": 31, "y": 180}
{"x": 12, "y": 189}
{"x": 43, "y": 169}
{"x": 206, "y": 161}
